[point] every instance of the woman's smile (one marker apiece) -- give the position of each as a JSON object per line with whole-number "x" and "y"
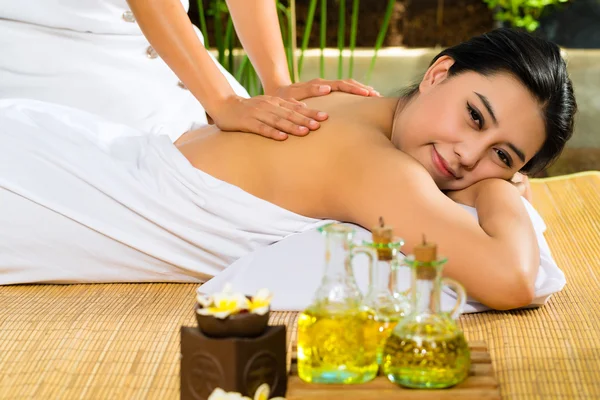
{"x": 441, "y": 165}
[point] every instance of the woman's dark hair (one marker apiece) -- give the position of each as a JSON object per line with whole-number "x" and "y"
{"x": 537, "y": 64}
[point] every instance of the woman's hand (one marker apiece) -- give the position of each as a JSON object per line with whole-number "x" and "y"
{"x": 268, "y": 116}
{"x": 468, "y": 196}
{"x": 321, "y": 87}
{"x": 521, "y": 182}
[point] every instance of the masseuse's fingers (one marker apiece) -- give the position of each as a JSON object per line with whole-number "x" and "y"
{"x": 302, "y": 109}
{"x": 289, "y": 117}
{"x": 352, "y": 86}
{"x": 268, "y": 116}
{"x": 321, "y": 87}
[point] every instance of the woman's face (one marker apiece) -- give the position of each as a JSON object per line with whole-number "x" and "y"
{"x": 469, "y": 127}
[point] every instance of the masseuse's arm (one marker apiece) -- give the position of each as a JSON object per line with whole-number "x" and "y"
{"x": 169, "y": 30}
{"x": 257, "y": 26}
{"x": 496, "y": 259}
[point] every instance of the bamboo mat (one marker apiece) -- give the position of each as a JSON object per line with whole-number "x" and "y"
{"x": 554, "y": 352}
{"x": 121, "y": 341}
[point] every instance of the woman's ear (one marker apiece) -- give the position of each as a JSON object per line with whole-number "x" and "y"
{"x": 436, "y": 73}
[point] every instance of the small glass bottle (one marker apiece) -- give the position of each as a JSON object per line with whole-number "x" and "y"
{"x": 385, "y": 304}
{"x": 332, "y": 344}
{"x": 427, "y": 349}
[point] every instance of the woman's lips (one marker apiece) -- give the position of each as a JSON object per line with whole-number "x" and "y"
{"x": 441, "y": 164}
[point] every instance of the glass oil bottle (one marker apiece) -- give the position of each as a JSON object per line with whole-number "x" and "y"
{"x": 384, "y": 303}
{"x": 427, "y": 349}
{"x": 332, "y": 345}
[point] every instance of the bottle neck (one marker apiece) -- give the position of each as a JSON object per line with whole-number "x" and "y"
{"x": 337, "y": 257}
{"x": 381, "y": 276}
{"x": 426, "y": 291}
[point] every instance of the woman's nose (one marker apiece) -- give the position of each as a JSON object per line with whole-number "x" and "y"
{"x": 468, "y": 154}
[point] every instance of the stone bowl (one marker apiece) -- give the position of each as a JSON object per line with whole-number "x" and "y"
{"x": 244, "y": 324}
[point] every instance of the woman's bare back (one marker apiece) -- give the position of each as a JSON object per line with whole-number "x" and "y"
{"x": 294, "y": 174}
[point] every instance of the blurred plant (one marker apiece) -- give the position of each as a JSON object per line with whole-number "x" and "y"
{"x": 341, "y": 35}
{"x": 226, "y": 39}
{"x": 521, "y": 13}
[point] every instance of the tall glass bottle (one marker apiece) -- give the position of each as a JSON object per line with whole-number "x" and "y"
{"x": 385, "y": 304}
{"x": 427, "y": 349}
{"x": 332, "y": 344}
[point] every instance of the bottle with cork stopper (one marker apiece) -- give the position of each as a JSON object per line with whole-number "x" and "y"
{"x": 384, "y": 303}
{"x": 427, "y": 349}
{"x": 332, "y": 346}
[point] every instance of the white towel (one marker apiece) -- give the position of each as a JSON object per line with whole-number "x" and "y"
{"x": 86, "y": 200}
{"x": 293, "y": 268}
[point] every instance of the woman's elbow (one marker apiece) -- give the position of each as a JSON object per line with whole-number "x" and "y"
{"x": 514, "y": 299}
{"x": 518, "y": 293}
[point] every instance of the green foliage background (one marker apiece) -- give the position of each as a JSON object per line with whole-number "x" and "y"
{"x": 521, "y": 13}
{"x": 517, "y": 13}
{"x": 226, "y": 39}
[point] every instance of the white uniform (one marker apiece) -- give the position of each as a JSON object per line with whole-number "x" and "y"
{"x": 85, "y": 200}
{"x": 92, "y": 55}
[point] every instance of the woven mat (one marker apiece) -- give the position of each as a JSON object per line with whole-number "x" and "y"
{"x": 121, "y": 341}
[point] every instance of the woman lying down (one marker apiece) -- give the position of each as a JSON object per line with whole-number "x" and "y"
{"x": 84, "y": 200}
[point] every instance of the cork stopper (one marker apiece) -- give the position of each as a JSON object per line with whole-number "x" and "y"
{"x": 383, "y": 235}
{"x": 425, "y": 253}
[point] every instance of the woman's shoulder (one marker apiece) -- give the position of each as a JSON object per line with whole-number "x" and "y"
{"x": 377, "y": 173}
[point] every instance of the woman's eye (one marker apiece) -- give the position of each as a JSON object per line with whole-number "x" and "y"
{"x": 475, "y": 116}
{"x": 504, "y": 158}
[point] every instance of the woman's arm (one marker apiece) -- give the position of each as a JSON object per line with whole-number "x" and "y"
{"x": 169, "y": 30}
{"x": 496, "y": 260}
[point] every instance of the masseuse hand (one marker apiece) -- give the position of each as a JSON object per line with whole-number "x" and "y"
{"x": 279, "y": 114}
{"x": 321, "y": 87}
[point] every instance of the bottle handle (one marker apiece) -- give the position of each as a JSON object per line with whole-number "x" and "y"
{"x": 461, "y": 298}
{"x": 371, "y": 254}
{"x": 400, "y": 263}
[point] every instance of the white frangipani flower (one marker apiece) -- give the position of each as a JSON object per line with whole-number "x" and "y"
{"x": 220, "y": 394}
{"x": 227, "y": 302}
{"x": 204, "y": 300}
{"x": 261, "y": 301}
{"x": 262, "y": 393}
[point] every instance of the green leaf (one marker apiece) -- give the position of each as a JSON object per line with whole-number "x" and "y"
{"x": 323, "y": 41}
{"x": 381, "y": 36}
{"x": 202, "y": 19}
{"x": 521, "y": 13}
{"x": 306, "y": 36}
{"x": 341, "y": 37}
{"x": 353, "y": 35}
